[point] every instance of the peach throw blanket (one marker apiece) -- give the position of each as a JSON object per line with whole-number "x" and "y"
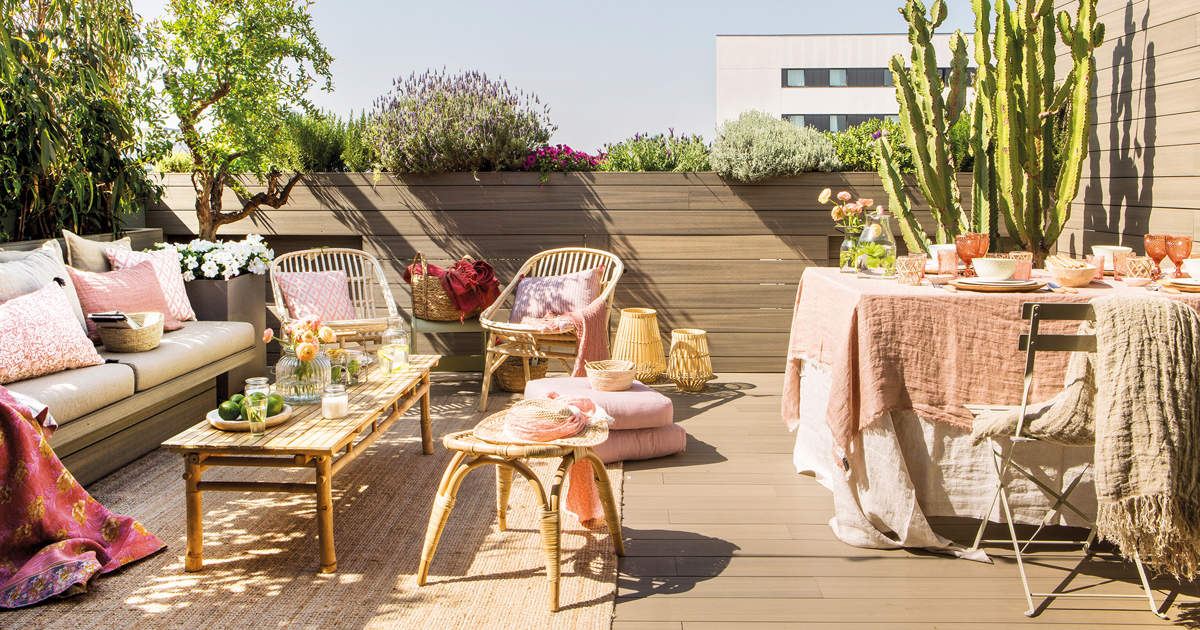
{"x": 591, "y": 326}
{"x": 583, "y": 499}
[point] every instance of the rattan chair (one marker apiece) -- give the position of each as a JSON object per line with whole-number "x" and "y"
{"x": 363, "y": 274}
{"x": 505, "y": 340}
{"x": 1032, "y": 343}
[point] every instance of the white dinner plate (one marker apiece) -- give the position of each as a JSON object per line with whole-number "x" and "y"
{"x": 997, "y": 283}
{"x": 1187, "y": 282}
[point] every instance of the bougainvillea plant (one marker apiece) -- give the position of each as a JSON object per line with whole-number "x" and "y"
{"x": 560, "y": 158}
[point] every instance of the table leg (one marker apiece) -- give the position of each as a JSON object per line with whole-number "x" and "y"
{"x": 426, "y": 423}
{"x": 194, "y": 559}
{"x": 325, "y": 514}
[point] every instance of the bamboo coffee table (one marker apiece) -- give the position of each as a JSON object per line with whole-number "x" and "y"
{"x": 306, "y": 440}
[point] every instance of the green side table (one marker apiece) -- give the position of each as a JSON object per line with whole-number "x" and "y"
{"x": 453, "y": 363}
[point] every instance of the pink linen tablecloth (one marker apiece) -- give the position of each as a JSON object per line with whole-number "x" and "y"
{"x": 892, "y": 347}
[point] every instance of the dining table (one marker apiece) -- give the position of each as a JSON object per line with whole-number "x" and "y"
{"x": 876, "y": 388}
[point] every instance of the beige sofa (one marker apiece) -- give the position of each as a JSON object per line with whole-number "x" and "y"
{"x": 112, "y": 414}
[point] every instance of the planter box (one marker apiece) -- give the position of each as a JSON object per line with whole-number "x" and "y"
{"x": 241, "y": 299}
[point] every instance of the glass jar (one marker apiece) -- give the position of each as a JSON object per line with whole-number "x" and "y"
{"x": 254, "y": 405}
{"x": 848, "y": 252}
{"x": 334, "y": 402}
{"x": 301, "y": 382}
{"x": 355, "y": 365}
{"x": 876, "y": 257}
{"x": 393, "y": 351}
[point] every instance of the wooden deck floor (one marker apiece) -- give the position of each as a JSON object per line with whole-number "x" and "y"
{"x": 727, "y": 535}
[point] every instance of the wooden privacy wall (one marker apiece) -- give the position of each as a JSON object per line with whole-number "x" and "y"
{"x": 1143, "y": 171}
{"x": 706, "y": 254}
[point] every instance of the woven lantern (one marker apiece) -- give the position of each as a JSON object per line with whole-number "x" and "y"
{"x": 690, "y": 365}
{"x": 638, "y": 342}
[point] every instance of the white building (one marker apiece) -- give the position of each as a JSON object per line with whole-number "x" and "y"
{"x": 825, "y": 81}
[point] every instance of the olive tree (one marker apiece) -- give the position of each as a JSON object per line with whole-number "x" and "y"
{"x": 230, "y": 73}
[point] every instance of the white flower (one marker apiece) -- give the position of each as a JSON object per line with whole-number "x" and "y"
{"x": 188, "y": 276}
{"x": 257, "y": 267}
{"x": 209, "y": 269}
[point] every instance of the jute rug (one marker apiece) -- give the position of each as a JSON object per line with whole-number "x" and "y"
{"x": 261, "y": 557}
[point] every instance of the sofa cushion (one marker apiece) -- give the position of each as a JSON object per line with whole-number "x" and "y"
{"x": 26, "y": 272}
{"x": 638, "y": 407}
{"x": 194, "y": 346}
{"x": 642, "y": 444}
{"x": 555, "y": 295}
{"x": 131, "y": 290}
{"x": 170, "y": 277}
{"x": 75, "y": 393}
{"x": 88, "y": 255}
{"x": 40, "y": 335}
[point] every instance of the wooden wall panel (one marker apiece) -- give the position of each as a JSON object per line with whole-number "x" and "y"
{"x": 1143, "y": 170}
{"x": 725, "y": 258}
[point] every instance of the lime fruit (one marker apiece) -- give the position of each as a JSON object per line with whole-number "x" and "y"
{"x": 236, "y": 399}
{"x": 274, "y": 405}
{"x": 335, "y": 373}
{"x": 353, "y": 367}
{"x": 229, "y": 410}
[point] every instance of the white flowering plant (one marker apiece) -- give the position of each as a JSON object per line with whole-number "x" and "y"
{"x": 221, "y": 259}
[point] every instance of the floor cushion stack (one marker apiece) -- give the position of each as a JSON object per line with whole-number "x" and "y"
{"x": 643, "y": 420}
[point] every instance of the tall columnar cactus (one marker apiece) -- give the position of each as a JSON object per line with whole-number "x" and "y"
{"x": 1020, "y": 100}
{"x": 929, "y": 107}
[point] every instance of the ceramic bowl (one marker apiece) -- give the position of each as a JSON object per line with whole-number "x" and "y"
{"x": 1080, "y": 277}
{"x": 1191, "y": 266}
{"x": 994, "y": 268}
{"x": 1107, "y": 252}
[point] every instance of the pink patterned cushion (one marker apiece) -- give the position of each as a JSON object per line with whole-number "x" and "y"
{"x": 555, "y": 295}
{"x": 324, "y": 295}
{"x": 130, "y": 290}
{"x": 170, "y": 276}
{"x": 40, "y": 335}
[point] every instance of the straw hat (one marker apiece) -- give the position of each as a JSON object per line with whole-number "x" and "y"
{"x": 494, "y": 428}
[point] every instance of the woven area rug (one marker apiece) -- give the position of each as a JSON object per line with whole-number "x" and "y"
{"x": 261, "y": 557}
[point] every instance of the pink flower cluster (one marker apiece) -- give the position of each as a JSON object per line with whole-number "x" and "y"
{"x": 561, "y": 157}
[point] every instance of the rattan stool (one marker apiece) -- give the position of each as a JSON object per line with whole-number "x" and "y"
{"x": 473, "y": 453}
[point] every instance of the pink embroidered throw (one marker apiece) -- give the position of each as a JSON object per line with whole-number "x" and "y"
{"x": 583, "y": 498}
{"x": 55, "y": 536}
{"x": 590, "y": 325}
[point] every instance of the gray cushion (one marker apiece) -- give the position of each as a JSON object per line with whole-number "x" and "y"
{"x": 87, "y": 254}
{"x": 26, "y": 272}
{"x": 192, "y": 347}
{"x": 73, "y": 394}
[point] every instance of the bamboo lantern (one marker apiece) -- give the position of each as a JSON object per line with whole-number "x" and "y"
{"x": 691, "y": 365}
{"x": 638, "y": 342}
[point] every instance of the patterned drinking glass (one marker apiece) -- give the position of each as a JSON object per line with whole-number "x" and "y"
{"x": 924, "y": 260}
{"x": 1098, "y": 262}
{"x": 1178, "y": 248}
{"x": 947, "y": 262}
{"x": 909, "y": 270}
{"x": 1140, "y": 267}
{"x": 1024, "y": 264}
{"x": 1156, "y": 249}
{"x": 970, "y": 246}
{"x": 1119, "y": 260}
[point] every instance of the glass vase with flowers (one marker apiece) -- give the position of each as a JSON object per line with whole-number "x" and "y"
{"x": 848, "y": 218}
{"x": 304, "y": 369}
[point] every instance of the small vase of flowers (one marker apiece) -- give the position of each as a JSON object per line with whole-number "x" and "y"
{"x": 303, "y": 370}
{"x": 848, "y": 217}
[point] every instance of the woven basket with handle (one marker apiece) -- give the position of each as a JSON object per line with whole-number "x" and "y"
{"x": 430, "y": 300}
{"x": 142, "y": 339}
{"x": 511, "y": 374}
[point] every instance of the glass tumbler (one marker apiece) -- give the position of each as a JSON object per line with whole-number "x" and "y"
{"x": 254, "y": 405}
{"x": 1141, "y": 270}
{"x": 909, "y": 270}
{"x": 1024, "y": 264}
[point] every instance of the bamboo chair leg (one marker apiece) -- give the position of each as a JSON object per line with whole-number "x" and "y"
{"x": 552, "y": 530}
{"x": 611, "y": 516}
{"x": 490, "y": 363}
{"x": 525, "y": 365}
{"x": 443, "y": 504}
{"x": 504, "y": 479}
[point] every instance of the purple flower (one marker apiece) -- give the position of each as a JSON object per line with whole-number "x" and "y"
{"x": 877, "y": 135}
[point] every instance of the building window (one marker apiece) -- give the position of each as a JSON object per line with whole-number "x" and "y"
{"x": 837, "y": 78}
{"x": 795, "y": 119}
{"x": 793, "y": 78}
{"x": 893, "y": 118}
{"x": 837, "y": 122}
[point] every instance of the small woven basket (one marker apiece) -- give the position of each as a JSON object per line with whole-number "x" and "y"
{"x": 690, "y": 364}
{"x": 610, "y": 376}
{"x": 430, "y": 300}
{"x": 511, "y": 375}
{"x": 142, "y": 339}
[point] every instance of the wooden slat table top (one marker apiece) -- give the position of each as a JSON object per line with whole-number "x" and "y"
{"x": 307, "y": 433}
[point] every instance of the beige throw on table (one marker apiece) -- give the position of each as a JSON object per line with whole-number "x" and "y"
{"x": 1136, "y": 398}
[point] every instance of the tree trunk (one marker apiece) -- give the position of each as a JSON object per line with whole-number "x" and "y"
{"x": 205, "y": 214}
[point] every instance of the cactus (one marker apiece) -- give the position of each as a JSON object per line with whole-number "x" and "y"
{"x": 1017, "y": 101}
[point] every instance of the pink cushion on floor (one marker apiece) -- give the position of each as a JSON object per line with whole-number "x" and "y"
{"x": 638, "y": 407}
{"x": 642, "y": 443}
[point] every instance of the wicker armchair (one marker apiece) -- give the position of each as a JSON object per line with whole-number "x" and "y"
{"x": 506, "y": 340}
{"x": 363, "y": 271}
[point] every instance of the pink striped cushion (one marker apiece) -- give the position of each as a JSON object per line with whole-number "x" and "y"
{"x": 167, "y": 269}
{"x": 130, "y": 290}
{"x": 39, "y": 334}
{"x": 555, "y": 295}
{"x": 324, "y": 295}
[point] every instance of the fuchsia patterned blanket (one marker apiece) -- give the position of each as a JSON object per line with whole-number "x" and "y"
{"x": 54, "y": 537}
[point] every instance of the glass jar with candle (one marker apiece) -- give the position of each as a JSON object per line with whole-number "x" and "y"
{"x": 393, "y": 352}
{"x": 254, "y": 405}
{"x": 334, "y": 402}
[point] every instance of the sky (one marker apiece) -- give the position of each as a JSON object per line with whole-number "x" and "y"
{"x": 607, "y": 69}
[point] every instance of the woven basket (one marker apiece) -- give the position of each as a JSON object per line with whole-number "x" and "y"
{"x": 690, "y": 364}
{"x": 638, "y": 342}
{"x": 133, "y": 339}
{"x": 610, "y": 376}
{"x": 511, "y": 375}
{"x": 430, "y": 300}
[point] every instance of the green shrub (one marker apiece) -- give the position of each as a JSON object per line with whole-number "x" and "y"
{"x": 357, "y": 154}
{"x": 176, "y": 162}
{"x": 758, "y": 146}
{"x": 856, "y": 146}
{"x": 659, "y": 152}
{"x": 313, "y": 143}
{"x": 437, "y": 123}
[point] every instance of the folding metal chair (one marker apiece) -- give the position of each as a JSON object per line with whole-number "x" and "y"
{"x": 1032, "y": 343}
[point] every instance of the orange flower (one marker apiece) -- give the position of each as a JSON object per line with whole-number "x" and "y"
{"x": 866, "y": 203}
{"x": 844, "y": 196}
{"x": 306, "y": 351}
{"x": 326, "y": 334}
{"x": 837, "y": 213}
{"x": 268, "y": 335}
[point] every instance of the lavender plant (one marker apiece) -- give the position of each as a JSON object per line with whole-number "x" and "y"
{"x": 644, "y": 152}
{"x": 436, "y": 122}
{"x": 758, "y": 146}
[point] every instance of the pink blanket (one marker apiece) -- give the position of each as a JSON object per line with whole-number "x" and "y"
{"x": 583, "y": 498}
{"x": 54, "y": 537}
{"x": 590, "y": 325}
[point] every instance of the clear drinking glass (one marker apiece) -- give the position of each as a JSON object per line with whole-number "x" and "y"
{"x": 255, "y": 404}
{"x": 909, "y": 270}
{"x": 1141, "y": 270}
